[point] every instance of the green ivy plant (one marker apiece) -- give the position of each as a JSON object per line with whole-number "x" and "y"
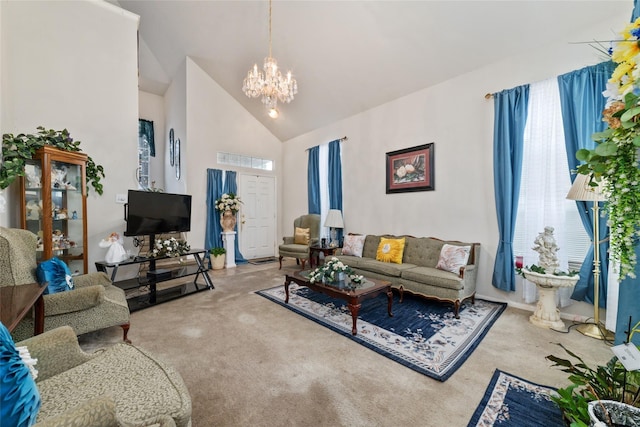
{"x": 615, "y": 162}
{"x": 604, "y": 382}
{"x": 16, "y": 150}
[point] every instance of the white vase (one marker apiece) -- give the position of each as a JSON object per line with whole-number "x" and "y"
{"x": 228, "y": 221}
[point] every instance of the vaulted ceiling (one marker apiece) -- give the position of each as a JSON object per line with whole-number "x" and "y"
{"x": 347, "y": 56}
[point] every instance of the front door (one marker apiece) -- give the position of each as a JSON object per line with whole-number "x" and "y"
{"x": 257, "y": 222}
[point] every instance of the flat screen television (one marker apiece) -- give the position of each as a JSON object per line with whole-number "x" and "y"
{"x": 149, "y": 212}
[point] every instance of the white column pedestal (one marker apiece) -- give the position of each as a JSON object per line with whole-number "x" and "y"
{"x": 228, "y": 240}
{"x": 547, "y": 314}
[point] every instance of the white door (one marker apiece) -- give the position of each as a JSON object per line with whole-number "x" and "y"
{"x": 257, "y": 222}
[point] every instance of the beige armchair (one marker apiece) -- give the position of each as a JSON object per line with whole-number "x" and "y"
{"x": 93, "y": 304}
{"x": 300, "y": 251}
{"x": 115, "y": 386}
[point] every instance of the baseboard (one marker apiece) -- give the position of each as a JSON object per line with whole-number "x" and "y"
{"x": 532, "y": 307}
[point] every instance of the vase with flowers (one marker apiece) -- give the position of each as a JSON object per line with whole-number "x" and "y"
{"x": 228, "y": 205}
{"x": 335, "y": 270}
{"x": 615, "y": 158}
{"x": 171, "y": 247}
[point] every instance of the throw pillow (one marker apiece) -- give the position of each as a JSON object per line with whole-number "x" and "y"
{"x": 19, "y": 397}
{"x": 56, "y": 273}
{"x": 453, "y": 257}
{"x": 301, "y": 236}
{"x": 390, "y": 250}
{"x": 353, "y": 245}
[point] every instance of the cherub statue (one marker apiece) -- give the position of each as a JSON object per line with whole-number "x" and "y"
{"x": 545, "y": 245}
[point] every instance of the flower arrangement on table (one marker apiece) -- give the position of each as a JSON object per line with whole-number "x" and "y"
{"x": 614, "y": 160}
{"x": 330, "y": 271}
{"x": 171, "y": 247}
{"x": 228, "y": 202}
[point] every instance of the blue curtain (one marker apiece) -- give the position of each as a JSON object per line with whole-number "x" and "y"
{"x": 313, "y": 180}
{"x": 145, "y": 129}
{"x": 582, "y": 103}
{"x": 212, "y": 238}
{"x": 510, "y": 110}
{"x": 636, "y": 11}
{"x": 231, "y": 186}
{"x": 335, "y": 181}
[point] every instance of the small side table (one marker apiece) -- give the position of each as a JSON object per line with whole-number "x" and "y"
{"x": 315, "y": 251}
{"x": 17, "y": 301}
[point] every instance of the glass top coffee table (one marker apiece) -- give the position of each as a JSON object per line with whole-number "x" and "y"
{"x": 353, "y": 294}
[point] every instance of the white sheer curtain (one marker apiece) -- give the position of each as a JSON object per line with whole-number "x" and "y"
{"x": 545, "y": 182}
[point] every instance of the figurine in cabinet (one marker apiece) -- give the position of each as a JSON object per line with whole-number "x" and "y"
{"x": 33, "y": 176}
{"x": 34, "y": 209}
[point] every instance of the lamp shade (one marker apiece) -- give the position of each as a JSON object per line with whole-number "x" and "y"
{"x": 581, "y": 190}
{"x": 334, "y": 219}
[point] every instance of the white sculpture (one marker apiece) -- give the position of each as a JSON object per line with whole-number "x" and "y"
{"x": 116, "y": 252}
{"x": 546, "y": 314}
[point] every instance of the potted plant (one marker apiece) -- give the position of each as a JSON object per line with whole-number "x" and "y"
{"x": 593, "y": 389}
{"x": 17, "y": 149}
{"x": 217, "y": 257}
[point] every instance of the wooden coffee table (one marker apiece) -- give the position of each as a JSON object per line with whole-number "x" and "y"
{"x": 354, "y": 297}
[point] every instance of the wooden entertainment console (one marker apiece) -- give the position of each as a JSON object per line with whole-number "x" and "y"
{"x": 139, "y": 300}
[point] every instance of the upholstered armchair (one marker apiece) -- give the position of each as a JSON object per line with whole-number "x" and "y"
{"x": 94, "y": 303}
{"x": 115, "y": 386}
{"x": 306, "y": 230}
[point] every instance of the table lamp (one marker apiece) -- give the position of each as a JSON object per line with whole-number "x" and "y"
{"x": 582, "y": 191}
{"x": 333, "y": 221}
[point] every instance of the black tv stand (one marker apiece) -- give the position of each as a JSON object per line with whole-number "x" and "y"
{"x": 143, "y": 291}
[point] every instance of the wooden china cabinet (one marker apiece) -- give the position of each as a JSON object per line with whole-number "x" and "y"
{"x": 54, "y": 205}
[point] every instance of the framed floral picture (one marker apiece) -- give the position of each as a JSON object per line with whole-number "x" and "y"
{"x": 410, "y": 169}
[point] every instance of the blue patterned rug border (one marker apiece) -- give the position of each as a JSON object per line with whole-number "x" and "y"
{"x": 500, "y": 408}
{"x": 449, "y": 370}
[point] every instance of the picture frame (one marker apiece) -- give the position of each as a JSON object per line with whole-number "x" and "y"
{"x": 411, "y": 169}
{"x": 172, "y": 145}
{"x": 177, "y": 159}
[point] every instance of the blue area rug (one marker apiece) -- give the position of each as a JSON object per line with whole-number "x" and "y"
{"x": 510, "y": 401}
{"x": 422, "y": 335}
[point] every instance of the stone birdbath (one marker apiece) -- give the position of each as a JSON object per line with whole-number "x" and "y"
{"x": 547, "y": 314}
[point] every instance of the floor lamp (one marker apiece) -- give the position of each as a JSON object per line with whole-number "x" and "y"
{"x": 582, "y": 191}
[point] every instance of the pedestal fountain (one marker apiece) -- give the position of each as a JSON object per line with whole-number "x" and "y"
{"x": 547, "y": 314}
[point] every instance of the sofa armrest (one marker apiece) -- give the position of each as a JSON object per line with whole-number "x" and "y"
{"x": 57, "y": 351}
{"x": 98, "y": 412}
{"x": 288, "y": 240}
{"x": 469, "y": 274}
{"x": 91, "y": 279}
{"x": 73, "y": 300}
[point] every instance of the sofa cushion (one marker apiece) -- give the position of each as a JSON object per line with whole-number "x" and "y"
{"x": 422, "y": 251}
{"x": 390, "y": 250}
{"x": 141, "y": 386}
{"x": 370, "y": 246}
{"x": 434, "y": 277}
{"x": 353, "y": 245}
{"x": 453, "y": 257}
{"x": 388, "y": 268}
{"x": 301, "y": 236}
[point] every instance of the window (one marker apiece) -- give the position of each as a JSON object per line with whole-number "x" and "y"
{"x": 143, "y": 161}
{"x": 546, "y": 182}
{"x": 245, "y": 161}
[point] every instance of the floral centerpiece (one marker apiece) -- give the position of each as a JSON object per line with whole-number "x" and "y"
{"x": 330, "y": 271}
{"x": 228, "y": 202}
{"x": 171, "y": 247}
{"x": 614, "y": 160}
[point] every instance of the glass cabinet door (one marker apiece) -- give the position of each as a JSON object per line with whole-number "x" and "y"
{"x": 33, "y": 211}
{"x": 67, "y": 231}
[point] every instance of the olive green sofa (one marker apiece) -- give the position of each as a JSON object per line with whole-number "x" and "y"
{"x": 417, "y": 274}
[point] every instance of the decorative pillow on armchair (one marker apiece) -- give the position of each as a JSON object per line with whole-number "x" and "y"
{"x": 56, "y": 273}
{"x": 353, "y": 245}
{"x": 390, "y": 250}
{"x": 453, "y": 257}
{"x": 301, "y": 236}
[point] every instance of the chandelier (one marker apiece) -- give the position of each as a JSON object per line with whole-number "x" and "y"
{"x": 269, "y": 83}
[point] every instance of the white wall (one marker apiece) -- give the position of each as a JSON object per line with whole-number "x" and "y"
{"x": 217, "y": 122}
{"x": 74, "y": 65}
{"x": 175, "y": 108}
{"x": 459, "y": 120}
{"x": 151, "y": 108}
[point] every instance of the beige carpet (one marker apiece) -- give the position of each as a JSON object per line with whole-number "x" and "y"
{"x": 250, "y": 362}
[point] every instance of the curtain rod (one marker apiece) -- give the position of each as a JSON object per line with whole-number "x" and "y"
{"x": 344, "y": 138}
{"x": 488, "y": 96}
